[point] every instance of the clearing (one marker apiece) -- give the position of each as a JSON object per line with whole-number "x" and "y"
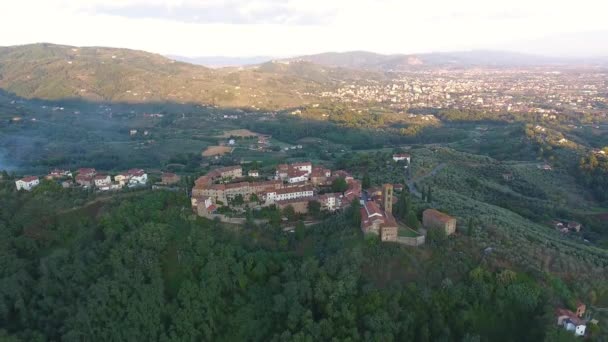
{"x": 216, "y": 151}
{"x": 241, "y": 133}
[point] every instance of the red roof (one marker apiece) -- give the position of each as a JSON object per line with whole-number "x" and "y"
{"x": 438, "y": 215}
{"x": 86, "y": 171}
{"x": 29, "y": 179}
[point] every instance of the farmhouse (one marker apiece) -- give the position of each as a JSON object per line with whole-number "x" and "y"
{"x": 58, "y": 174}
{"x": 102, "y": 180}
{"x": 86, "y": 172}
{"x": 571, "y": 321}
{"x": 27, "y": 183}
{"x": 168, "y": 178}
{"x": 253, "y": 173}
{"x": 84, "y": 180}
{"x": 137, "y": 177}
{"x": 401, "y": 157}
{"x": 434, "y": 219}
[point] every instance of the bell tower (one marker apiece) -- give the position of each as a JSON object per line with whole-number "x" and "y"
{"x": 387, "y": 196}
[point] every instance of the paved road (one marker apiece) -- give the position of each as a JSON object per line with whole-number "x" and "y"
{"x": 411, "y": 184}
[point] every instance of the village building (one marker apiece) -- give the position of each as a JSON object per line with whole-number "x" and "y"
{"x": 122, "y": 178}
{"x": 434, "y": 219}
{"x": 89, "y": 172}
{"x": 59, "y": 174}
{"x": 571, "y": 322}
{"x": 330, "y": 202}
{"x": 402, "y": 157}
{"x": 253, "y": 173}
{"x": 297, "y": 176}
{"x": 375, "y": 220}
{"x": 168, "y": 178}
{"x": 102, "y": 180}
{"x": 27, "y": 183}
{"x": 137, "y": 177}
{"x": 84, "y": 180}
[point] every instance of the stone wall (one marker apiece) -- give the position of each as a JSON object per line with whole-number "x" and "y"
{"x": 411, "y": 241}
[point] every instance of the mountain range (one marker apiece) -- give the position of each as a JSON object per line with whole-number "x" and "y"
{"x": 51, "y": 71}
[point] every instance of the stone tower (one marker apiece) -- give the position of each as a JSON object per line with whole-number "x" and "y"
{"x": 387, "y": 198}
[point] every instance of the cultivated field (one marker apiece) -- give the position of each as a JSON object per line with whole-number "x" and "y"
{"x": 216, "y": 151}
{"x": 241, "y": 133}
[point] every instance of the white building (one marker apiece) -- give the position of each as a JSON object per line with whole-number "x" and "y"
{"x": 401, "y": 157}
{"x": 288, "y": 193}
{"x": 27, "y": 183}
{"x": 102, "y": 181}
{"x": 137, "y": 177}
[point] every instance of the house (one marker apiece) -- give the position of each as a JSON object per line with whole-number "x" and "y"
{"x": 228, "y": 172}
{"x": 434, "y": 219}
{"x": 168, "y": 178}
{"x": 122, "y": 178}
{"x": 87, "y": 172}
{"x": 571, "y": 322}
{"x": 401, "y": 157}
{"x": 137, "y": 177}
{"x": 253, "y": 173}
{"x": 508, "y": 177}
{"x": 58, "y": 174}
{"x": 297, "y": 176}
{"x": 330, "y": 202}
{"x": 102, "y": 180}
{"x": 304, "y": 166}
{"x": 27, "y": 183}
{"x": 84, "y": 180}
{"x": 575, "y": 226}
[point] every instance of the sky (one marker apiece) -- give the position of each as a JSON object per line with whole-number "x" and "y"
{"x": 298, "y": 27}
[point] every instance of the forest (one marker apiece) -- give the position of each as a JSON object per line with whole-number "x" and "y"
{"x": 141, "y": 267}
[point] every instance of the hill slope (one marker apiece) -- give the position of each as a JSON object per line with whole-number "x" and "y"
{"x": 106, "y": 74}
{"x": 399, "y": 62}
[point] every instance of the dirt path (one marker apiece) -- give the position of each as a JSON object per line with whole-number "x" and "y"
{"x": 411, "y": 184}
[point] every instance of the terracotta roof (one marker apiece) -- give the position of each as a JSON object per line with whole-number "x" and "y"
{"x": 86, "y": 170}
{"x": 571, "y": 316}
{"x": 401, "y": 155}
{"x": 438, "y": 215}
{"x": 292, "y": 190}
{"x": 372, "y": 209}
{"x": 29, "y": 179}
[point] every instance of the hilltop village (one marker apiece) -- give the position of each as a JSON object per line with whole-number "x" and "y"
{"x": 292, "y": 185}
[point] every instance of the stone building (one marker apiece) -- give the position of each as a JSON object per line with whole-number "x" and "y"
{"x": 434, "y": 219}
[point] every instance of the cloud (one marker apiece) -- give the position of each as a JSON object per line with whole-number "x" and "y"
{"x": 293, "y": 27}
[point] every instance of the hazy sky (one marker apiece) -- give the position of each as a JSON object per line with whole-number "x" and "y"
{"x": 295, "y": 27}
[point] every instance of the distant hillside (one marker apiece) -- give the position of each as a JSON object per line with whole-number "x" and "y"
{"x": 397, "y": 62}
{"x": 221, "y": 61}
{"x": 52, "y": 72}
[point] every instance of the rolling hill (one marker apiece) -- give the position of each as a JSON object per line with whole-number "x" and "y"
{"x": 50, "y": 71}
{"x": 400, "y": 62}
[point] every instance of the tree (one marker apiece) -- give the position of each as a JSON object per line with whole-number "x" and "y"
{"x": 429, "y": 195}
{"x": 339, "y": 185}
{"x": 314, "y": 208}
{"x": 412, "y": 220}
{"x": 237, "y": 200}
{"x": 254, "y": 198}
{"x": 289, "y": 212}
{"x": 470, "y": 227}
{"x": 300, "y": 230}
{"x": 366, "y": 182}
{"x": 403, "y": 205}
